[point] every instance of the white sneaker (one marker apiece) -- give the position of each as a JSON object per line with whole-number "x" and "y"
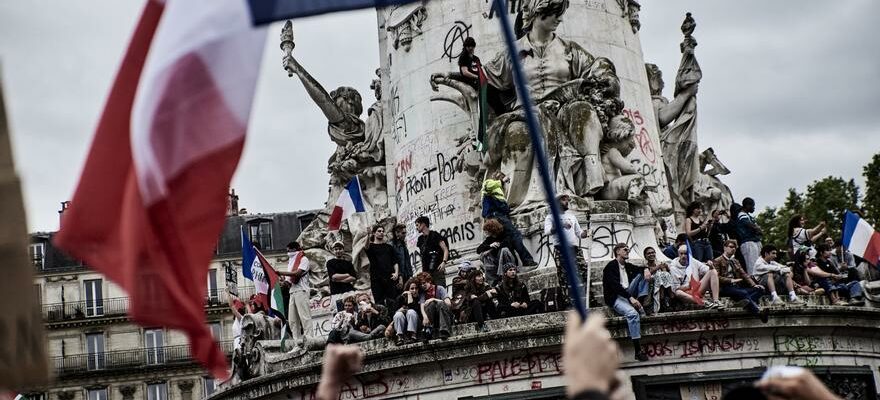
{"x": 796, "y": 300}
{"x": 776, "y": 301}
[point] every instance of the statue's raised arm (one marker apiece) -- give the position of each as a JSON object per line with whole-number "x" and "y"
{"x": 317, "y": 92}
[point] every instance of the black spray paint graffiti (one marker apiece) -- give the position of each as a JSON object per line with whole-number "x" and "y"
{"x": 454, "y": 42}
{"x": 604, "y": 240}
{"x": 398, "y": 130}
{"x": 444, "y": 172}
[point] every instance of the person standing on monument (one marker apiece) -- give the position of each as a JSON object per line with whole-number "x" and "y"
{"x": 340, "y": 271}
{"x": 573, "y": 233}
{"x": 384, "y": 272}
{"x": 697, "y": 229}
{"x": 299, "y": 316}
{"x": 398, "y": 241}
{"x": 622, "y": 285}
{"x": 749, "y": 234}
{"x": 433, "y": 250}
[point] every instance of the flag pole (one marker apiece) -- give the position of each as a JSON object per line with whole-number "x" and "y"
{"x": 536, "y": 135}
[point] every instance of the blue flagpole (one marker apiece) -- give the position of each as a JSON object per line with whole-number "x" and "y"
{"x": 536, "y": 134}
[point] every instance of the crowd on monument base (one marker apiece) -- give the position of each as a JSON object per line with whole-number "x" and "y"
{"x": 711, "y": 259}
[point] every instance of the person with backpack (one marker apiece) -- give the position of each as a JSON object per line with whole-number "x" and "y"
{"x": 622, "y": 285}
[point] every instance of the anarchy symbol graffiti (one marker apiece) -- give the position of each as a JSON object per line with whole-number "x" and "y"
{"x": 454, "y": 42}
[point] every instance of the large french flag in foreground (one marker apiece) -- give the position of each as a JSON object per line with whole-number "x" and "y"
{"x": 151, "y": 200}
{"x": 350, "y": 201}
{"x": 266, "y": 11}
{"x": 860, "y": 238}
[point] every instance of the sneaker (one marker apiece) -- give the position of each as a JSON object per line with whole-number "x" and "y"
{"x": 796, "y": 300}
{"x": 764, "y": 315}
{"x": 776, "y": 301}
{"x": 720, "y": 305}
{"x": 641, "y": 356}
{"x": 710, "y": 304}
{"x": 856, "y": 302}
{"x": 400, "y": 341}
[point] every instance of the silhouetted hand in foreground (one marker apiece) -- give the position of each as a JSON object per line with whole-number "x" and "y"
{"x": 589, "y": 355}
{"x": 340, "y": 364}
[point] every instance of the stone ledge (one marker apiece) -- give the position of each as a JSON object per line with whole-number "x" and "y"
{"x": 687, "y": 336}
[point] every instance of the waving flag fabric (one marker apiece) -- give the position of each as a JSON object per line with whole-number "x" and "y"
{"x": 265, "y": 11}
{"x": 151, "y": 200}
{"x": 693, "y": 274}
{"x": 860, "y": 238}
{"x": 266, "y": 281}
{"x": 350, "y": 201}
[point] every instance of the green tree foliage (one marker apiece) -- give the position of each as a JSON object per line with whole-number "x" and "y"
{"x": 824, "y": 200}
{"x": 871, "y": 202}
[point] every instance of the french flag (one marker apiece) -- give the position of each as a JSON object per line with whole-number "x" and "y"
{"x": 350, "y": 201}
{"x": 265, "y": 11}
{"x": 860, "y": 238}
{"x": 693, "y": 273}
{"x": 151, "y": 200}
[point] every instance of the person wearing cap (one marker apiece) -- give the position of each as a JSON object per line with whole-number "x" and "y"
{"x": 340, "y": 270}
{"x": 460, "y": 281}
{"x": 573, "y": 232}
{"x": 513, "y": 296}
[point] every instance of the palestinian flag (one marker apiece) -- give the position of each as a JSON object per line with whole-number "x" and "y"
{"x": 258, "y": 270}
{"x": 484, "y": 111}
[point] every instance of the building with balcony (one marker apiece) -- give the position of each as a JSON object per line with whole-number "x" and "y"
{"x": 97, "y": 353}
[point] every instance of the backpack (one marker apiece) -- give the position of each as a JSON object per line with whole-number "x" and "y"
{"x": 552, "y": 299}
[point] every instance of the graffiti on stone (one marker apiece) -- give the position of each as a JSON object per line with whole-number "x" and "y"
{"x": 454, "y": 41}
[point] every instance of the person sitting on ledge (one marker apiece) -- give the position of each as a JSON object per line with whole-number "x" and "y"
{"x": 495, "y": 250}
{"x": 342, "y": 322}
{"x": 834, "y": 280}
{"x": 479, "y": 301}
{"x": 662, "y": 282}
{"x": 681, "y": 270}
{"x": 460, "y": 281}
{"x": 802, "y": 273}
{"x": 622, "y": 285}
{"x": 513, "y": 296}
{"x": 370, "y": 321}
{"x": 671, "y": 251}
{"x": 775, "y": 276}
{"x": 406, "y": 318}
{"x": 736, "y": 283}
{"x": 435, "y": 302}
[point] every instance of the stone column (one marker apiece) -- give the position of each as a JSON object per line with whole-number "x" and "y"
{"x": 431, "y": 165}
{"x": 186, "y": 388}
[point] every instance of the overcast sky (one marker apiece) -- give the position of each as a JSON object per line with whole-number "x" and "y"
{"x": 790, "y": 93}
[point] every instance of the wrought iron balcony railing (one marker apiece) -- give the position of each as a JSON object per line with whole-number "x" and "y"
{"x": 109, "y": 307}
{"x": 126, "y": 359}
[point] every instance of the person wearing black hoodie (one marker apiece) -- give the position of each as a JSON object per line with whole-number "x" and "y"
{"x": 616, "y": 288}
{"x": 513, "y": 296}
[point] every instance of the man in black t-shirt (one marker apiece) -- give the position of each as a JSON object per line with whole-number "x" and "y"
{"x": 340, "y": 271}
{"x": 433, "y": 250}
{"x": 469, "y": 64}
{"x": 384, "y": 267}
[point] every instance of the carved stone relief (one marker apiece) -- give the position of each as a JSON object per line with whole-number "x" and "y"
{"x": 404, "y": 23}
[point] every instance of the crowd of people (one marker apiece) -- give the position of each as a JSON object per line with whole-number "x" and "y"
{"x": 714, "y": 257}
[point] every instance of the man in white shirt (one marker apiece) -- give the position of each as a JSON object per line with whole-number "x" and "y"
{"x": 298, "y": 314}
{"x": 573, "y": 233}
{"x": 773, "y": 275}
{"x": 681, "y": 268}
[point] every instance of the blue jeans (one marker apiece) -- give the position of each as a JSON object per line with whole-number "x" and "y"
{"x": 516, "y": 237}
{"x": 752, "y": 295}
{"x": 633, "y": 319}
{"x": 638, "y": 287}
{"x": 702, "y": 250}
{"x": 854, "y": 288}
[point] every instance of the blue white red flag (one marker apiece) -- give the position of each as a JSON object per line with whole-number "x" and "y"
{"x": 266, "y": 281}
{"x": 151, "y": 200}
{"x": 350, "y": 201}
{"x": 693, "y": 274}
{"x": 860, "y": 238}
{"x": 265, "y": 11}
